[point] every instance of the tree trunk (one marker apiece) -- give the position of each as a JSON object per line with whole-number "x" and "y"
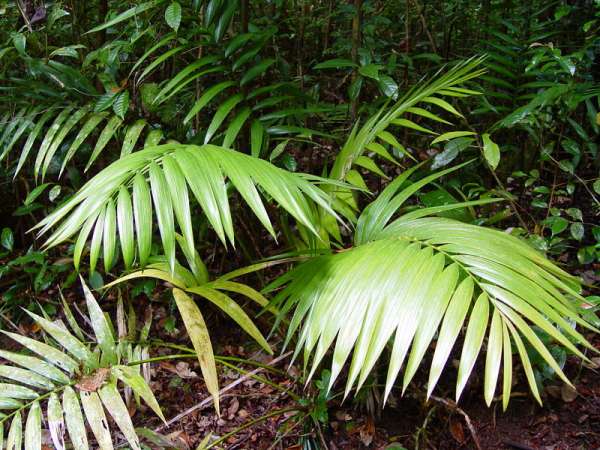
{"x": 245, "y": 15}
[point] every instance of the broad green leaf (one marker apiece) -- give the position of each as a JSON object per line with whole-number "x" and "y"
{"x": 220, "y": 115}
{"x": 56, "y": 423}
{"x": 25, "y": 377}
{"x": 125, "y": 226}
{"x": 164, "y": 211}
{"x": 478, "y": 322}
{"x": 94, "y": 413}
{"x": 165, "y": 40}
{"x": 35, "y": 193}
{"x": 233, "y": 310}
{"x": 63, "y": 337}
{"x": 388, "y": 86}
{"x": 46, "y": 351}
{"x": 87, "y": 128}
{"x": 443, "y": 104}
{"x": 132, "y": 136}
{"x": 109, "y": 235}
{"x": 370, "y": 71}
{"x": 173, "y": 15}
{"x": 116, "y": 407}
{"x": 126, "y": 15}
{"x": 236, "y": 125}
{"x": 100, "y": 324}
{"x": 56, "y": 126}
{"x": 17, "y": 392}
{"x": 337, "y": 63}
{"x": 121, "y": 104}
{"x": 33, "y": 428}
{"x": 32, "y": 138}
{"x": 107, "y": 133}
{"x": 256, "y": 71}
{"x": 457, "y": 311}
{"x": 7, "y": 239}
{"x": 257, "y": 131}
{"x": 96, "y": 243}
{"x": 15, "y": 433}
{"x": 451, "y": 135}
{"x": 58, "y": 139}
{"x": 206, "y": 97}
{"x": 142, "y": 212}
{"x": 130, "y": 377}
{"x": 153, "y": 138}
{"x": 491, "y": 151}
{"x": 493, "y": 357}
{"x": 36, "y": 365}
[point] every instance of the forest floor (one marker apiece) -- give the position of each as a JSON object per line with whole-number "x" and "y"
{"x": 568, "y": 420}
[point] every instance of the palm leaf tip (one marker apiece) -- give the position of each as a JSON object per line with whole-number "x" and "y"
{"x": 425, "y": 276}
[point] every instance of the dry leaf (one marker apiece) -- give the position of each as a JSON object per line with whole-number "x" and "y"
{"x": 568, "y": 393}
{"x": 367, "y": 432}
{"x": 457, "y": 431}
{"x": 93, "y": 382}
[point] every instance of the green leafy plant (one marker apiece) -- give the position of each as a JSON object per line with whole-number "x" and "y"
{"x": 70, "y": 374}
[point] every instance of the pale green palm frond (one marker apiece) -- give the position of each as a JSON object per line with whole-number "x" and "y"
{"x": 377, "y": 137}
{"x": 416, "y": 277}
{"x": 75, "y": 381}
{"x": 160, "y": 181}
{"x": 44, "y": 133}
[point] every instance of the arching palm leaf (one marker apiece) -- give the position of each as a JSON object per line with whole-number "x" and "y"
{"x": 161, "y": 180}
{"x": 47, "y": 131}
{"x": 416, "y": 276}
{"x": 377, "y": 136}
{"x": 219, "y": 293}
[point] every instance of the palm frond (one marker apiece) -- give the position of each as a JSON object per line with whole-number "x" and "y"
{"x": 218, "y": 292}
{"x": 377, "y": 136}
{"x": 414, "y": 277}
{"x": 160, "y": 179}
{"x": 56, "y": 126}
{"x": 70, "y": 375}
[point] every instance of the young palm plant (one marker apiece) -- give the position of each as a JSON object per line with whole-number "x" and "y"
{"x": 70, "y": 374}
{"x": 405, "y": 278}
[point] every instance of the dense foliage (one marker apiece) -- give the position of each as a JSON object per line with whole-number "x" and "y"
{"x": 366, "y": 180}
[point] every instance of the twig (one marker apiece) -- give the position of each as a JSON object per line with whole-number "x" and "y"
{"x": 450, "y": 404}
{"x": 208, "y": 400}
{"x": 248, "y": 424}
{"x": 21, "y": 8}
